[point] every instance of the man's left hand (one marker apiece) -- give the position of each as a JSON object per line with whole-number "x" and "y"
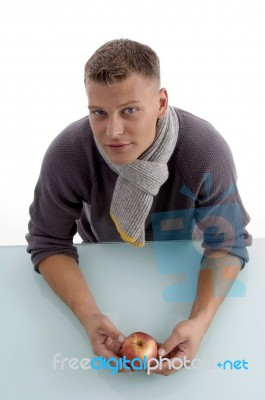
{"x": 184, "y": 341}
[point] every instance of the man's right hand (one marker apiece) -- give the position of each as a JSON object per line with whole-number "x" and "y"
{"x": 105, "y": 338}
{"x": 64, "y": 276}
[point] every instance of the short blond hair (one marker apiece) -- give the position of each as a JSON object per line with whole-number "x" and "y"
{"x": 118, "y": 59}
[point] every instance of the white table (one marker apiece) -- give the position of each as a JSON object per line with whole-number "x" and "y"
{"x": 134, "y": 288}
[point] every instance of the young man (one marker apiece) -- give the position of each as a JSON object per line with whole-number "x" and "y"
{"x": 108, "y": 175}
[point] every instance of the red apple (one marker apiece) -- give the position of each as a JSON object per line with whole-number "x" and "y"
{"x": 138, "y": 345}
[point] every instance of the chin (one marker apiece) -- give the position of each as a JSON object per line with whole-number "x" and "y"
{"x": 122, "y": 161}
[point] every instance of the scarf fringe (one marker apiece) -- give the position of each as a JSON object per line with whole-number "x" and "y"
{"x": 125, "y": 237}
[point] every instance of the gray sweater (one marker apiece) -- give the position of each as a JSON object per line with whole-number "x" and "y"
{"x": 75, "y": 188}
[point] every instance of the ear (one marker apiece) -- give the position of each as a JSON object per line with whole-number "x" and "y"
{"x": 163, "y": 102}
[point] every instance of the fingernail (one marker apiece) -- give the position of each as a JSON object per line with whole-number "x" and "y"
{"x": 161, "y": 352}
{"x": 120, "y": 339}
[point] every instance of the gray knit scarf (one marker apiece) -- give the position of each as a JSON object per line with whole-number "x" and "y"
{"x": 139, "y": 181}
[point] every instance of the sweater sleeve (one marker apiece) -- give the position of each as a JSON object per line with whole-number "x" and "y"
{"x": 220, "y": 217}
{"x": 57, "y": 203}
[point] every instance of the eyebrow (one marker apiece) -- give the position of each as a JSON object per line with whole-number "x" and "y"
{"x": 121, "y": 106}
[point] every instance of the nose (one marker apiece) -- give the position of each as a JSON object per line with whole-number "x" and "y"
{"x": 114, "y": 127}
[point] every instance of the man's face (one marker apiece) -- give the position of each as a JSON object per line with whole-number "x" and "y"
{"x": 123, "y": 116}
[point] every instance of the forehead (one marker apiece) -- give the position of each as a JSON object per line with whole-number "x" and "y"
{"x": 133, "y": 88}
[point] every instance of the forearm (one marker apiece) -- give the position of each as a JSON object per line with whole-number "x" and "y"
{"x": 216, "y": 277}
{"x": 63, "y": 275}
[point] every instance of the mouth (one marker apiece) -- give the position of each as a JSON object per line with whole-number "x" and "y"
{"x": 118, "y": 146}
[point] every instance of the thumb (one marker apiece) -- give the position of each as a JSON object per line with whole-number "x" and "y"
{"x": 168, "y": 345}
{"x": 113, "y": 332}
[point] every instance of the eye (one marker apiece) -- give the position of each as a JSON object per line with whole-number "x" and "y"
{"x": 129, "y": 110}
{"x": 98, "y": 113}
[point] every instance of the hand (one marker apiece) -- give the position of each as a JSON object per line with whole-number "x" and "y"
{"x": 184, "y": 341}
{"x": 105, "y": 338}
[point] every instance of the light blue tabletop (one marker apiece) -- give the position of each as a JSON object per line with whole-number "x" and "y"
{"x": 148, "y": 289}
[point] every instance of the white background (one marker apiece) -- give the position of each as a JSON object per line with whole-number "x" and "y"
{"x": 212, "y": 59}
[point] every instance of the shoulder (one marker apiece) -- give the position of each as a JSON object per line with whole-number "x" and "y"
{"x": 73, "y": 148}
{"x": 72, "y": 158}
{"x": 72, "y": 137}
{"x": 201, "y": 149}
{"x": 198, "y": 136}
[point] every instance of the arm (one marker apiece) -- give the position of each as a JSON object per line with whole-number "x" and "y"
{"x": 216, "y": 277}
{"x": 57, "y": 205}
{"x": 65, "y": 278}
{"x": 220, "y": 219}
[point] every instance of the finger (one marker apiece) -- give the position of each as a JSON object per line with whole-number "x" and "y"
{"x": 163, "y": 372}
{"x": 171, "y": 343}
{"x": 110, "y": 330}
{"x": 169, "y": 367}
{"x": 113, "y": 346}
{"x": 112, "y": 360}
{"x": 181, "y": 351}
{"x": 102, "y": 350}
